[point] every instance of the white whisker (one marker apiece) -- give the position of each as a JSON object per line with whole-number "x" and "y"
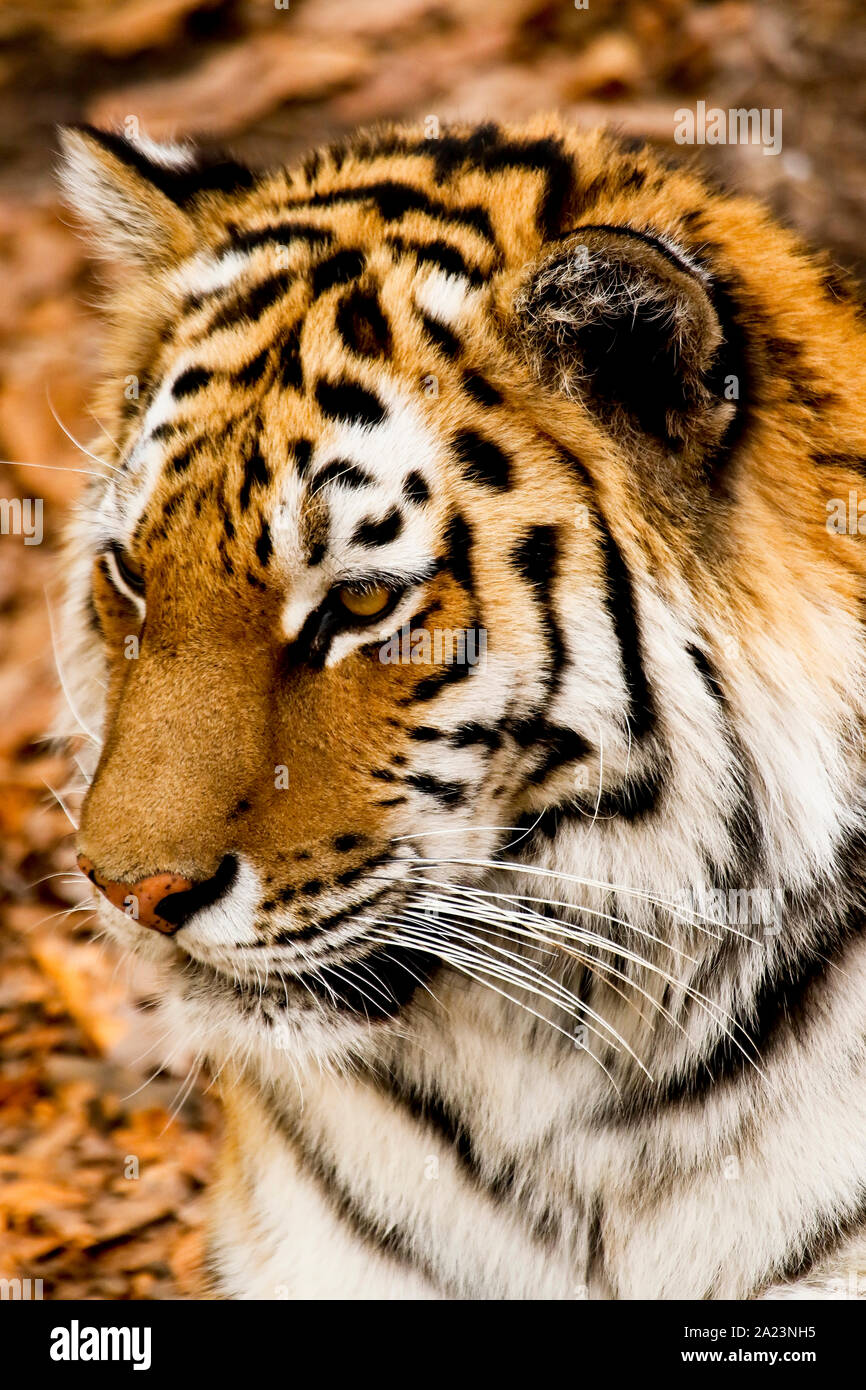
{"x": 60, "y": 676}
{"x": 103, "y": 463}
{"x": 519, "y": 1003}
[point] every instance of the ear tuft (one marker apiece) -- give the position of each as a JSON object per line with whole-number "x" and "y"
{"x": 622, "y": 321}
{"x": 137, "y": 196}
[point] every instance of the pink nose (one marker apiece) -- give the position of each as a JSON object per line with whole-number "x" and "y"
{"x": 142, "y": 900}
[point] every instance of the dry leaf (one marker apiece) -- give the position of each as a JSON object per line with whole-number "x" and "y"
{"x": 235, "y": 86}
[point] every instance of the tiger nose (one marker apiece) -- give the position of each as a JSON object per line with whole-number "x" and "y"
{"x": 148, "y": 900}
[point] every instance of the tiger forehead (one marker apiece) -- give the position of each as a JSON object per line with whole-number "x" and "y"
{"x": 351, "y": 490}
{"x": 364, "y": 262}
{"x": 348, "y": 401}
{"x": 404, "y": 228}
{"x": 325, "y": 341}
{"x": 337, "y": 466}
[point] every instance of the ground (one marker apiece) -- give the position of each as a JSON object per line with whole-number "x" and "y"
{"x": 105, "y": 1149}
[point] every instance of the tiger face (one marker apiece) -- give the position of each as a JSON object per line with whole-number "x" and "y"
{"x": 354, "y": 598}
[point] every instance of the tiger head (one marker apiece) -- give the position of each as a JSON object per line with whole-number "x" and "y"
{"x": 442, "y": 482}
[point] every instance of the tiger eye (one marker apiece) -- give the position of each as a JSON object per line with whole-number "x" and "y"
{"x": 364, "y": 603}
{"x": 127, "y": 569}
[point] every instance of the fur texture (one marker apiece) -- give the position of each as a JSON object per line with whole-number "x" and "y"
{"x": 537, "y": 976}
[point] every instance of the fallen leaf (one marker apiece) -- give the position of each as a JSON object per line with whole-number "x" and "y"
{"x": 235, "y": 86}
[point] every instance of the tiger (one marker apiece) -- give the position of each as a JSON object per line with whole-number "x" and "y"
{"x": 463, "y": 635}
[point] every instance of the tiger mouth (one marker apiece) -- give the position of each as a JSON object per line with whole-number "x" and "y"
{"x": 376, "y": 983}
{"x": 352, "y": 962}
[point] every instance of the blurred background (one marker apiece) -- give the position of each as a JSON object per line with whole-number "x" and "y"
{"x": 104, "y": 1151}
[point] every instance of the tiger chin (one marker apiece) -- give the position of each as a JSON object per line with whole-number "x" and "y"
{"x": 532, "y": 967}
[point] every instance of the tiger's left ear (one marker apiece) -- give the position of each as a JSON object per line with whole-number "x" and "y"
{"x": 625, "y": 323}
{"x": 136, "y": 197}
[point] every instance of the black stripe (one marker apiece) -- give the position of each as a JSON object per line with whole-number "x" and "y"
{"x": 348, "y": 840}
{"x": 560, "y": 746}
{"x": 264, "y": 545}
{"x": 430, "y": 686}
{"x": 813, "y": 1246}
{"x": 362, "y": 324}
{"x": 480, "y": 389}
{"x": 338, "y": 269}
{"x": 394, "y": 200}
{"x": 224, "y": 555}
{"x": 619, "y": 601}
{"x": 779, "y": 1008}
{"x": 250, "y": 304}
{"x": 349, "y": 876}
{"x": 441, "y": 336}
{"x": 312, "y": 165}
{"x": 166, "y": 430}
{"x": 468, "y": 735}
{"x": 536, "y": 559}
{"x": 325, "y": 925}
{"x": 209, "y": 173}
{"x": 252, "y": 373}
{"x": 370, "y": 532}
{"x": 783, "y": 1007}
{"x": 415, "y": 489}
{"x": 225, "y": 513}
{"x": 743, "y": 823}
{"x": 256, "y": 474}
{"x": 279, "y": 233}
{"x": 343, "y": 472}
{"x": 390, "y": 1239}
{"x": 346, "y": 400}
{"x": 483, "y": 461}
{"x": 620, "y": 604}
{"x": 635, "y": 799}
{"x": 448, "y": 794}
{"x": 301, "y": 451}
{"x": 458, "y": 551}
{"x": 487, "y": 149}
{"x": 852, "y": 461}
{"x": 192, "y": 380}
{"x": 379, "y": 986}
{"x": 709, "y": 675}
{"x": 430, "y": 1110}
{"x": 442, "y": 254}
{"x": 179, "y": 463}
{"x": 291, "y": 369}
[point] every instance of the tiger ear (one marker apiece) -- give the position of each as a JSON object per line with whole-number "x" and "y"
{"x": 622, "y": 321}
{"x": 137, "y": 197}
